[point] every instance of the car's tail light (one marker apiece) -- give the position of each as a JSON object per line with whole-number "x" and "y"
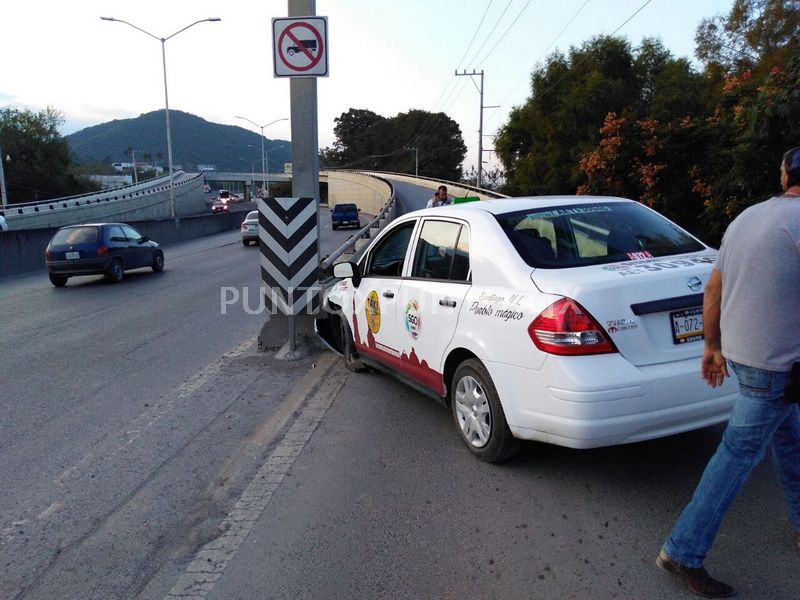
{"x": 48, "y": 254}
{"x": 244, "y": 227}
{"x": 102, "y": 251}
{"x": 566, "y": 328}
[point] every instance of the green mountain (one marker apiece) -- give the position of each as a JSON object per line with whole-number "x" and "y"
{"x": 195, "y": 141}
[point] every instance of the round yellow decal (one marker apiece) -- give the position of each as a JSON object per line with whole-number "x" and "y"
{"x": 372, "y": 308}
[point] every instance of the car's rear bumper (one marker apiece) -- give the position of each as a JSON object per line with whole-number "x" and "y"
{"x": 250, "y": 236}
{"x": 346, "y": 223}
{"x": 86, "y": 266}
{"x": 589, "y": 402}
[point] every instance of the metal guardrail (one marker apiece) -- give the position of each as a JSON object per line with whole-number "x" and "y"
{"x": 117, "y": 194}
{"x": 441, "y": 182}
{"x": 364, "y": 232}
{"x": 327, "y": 263}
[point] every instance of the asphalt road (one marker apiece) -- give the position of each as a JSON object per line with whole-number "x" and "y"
{"x": 122, "y": 418}
{"x": 142, "y": 437}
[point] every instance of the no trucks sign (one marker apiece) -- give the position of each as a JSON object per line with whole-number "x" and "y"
{"x": 300, "y": 46}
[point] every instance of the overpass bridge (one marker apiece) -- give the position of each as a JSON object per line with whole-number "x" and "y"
{"x": 147, "y": 205}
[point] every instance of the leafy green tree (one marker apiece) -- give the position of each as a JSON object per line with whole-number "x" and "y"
{"x": 544, "y": 139}
{"x": 38, "y": 165}
{"x": 367, "y": 140}
{"x": 752, "y": 31}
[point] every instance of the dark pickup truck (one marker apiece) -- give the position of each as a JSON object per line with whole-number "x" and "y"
{"x": 345, "y": 215}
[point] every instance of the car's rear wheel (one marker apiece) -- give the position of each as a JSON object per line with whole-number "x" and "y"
{"x": 479, "y": 415}
{"x": 351, "y": 360}
{"x": 58, "y": 280}
{"x": 116, "y": 271}
{"x": 158, "y": 262}
{"x": 245, "y": 242}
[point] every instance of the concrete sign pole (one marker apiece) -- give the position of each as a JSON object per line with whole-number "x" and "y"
{"x": 305, "y": 145}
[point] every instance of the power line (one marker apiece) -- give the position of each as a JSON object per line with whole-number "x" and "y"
{"x": 474, "y": 35}
{"x": 492, "y": 31}
{"x": 560, "y": 33}
{"x": 519, "y": 14}
{"x": 579, "y": 63}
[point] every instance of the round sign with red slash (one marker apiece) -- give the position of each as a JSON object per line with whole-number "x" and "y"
{"x": 300, "y": 47}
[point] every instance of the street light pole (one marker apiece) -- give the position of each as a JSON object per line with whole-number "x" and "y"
{"x": 264, "y": 180}
{"x": 163, "y": 41}
{"x": 252, "y": 172}
{"x": 3, "y": 180}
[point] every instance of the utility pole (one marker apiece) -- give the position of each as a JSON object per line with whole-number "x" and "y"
{"x": 416, "y": 160}
{"x": 480, "y": 122}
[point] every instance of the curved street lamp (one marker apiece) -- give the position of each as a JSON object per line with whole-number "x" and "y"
{"x": 166, "y": 95}
{"x": 264, "y": 180}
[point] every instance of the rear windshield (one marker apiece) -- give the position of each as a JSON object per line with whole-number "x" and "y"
{"x": 590, "y": 234}
{"x": 252, "y": 216}
{"x": 75, "y": 235}
{"x": 224, "y": 194}
{"x": 345, "y": 207}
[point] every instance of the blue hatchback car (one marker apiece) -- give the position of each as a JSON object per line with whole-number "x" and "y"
{"x": 107, "y": 249}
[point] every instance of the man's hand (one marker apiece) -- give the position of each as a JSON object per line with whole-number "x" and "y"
{"x": 713, "y": 367}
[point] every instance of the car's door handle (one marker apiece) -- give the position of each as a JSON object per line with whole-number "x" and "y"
{"x": 388, "y": 294}
{"x": 447, "y": 302}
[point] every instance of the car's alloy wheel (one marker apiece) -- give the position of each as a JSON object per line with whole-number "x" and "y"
{"x": 116, "y": 271}
{"x": 158, "y": 262}
{"x": 479, "y": 415}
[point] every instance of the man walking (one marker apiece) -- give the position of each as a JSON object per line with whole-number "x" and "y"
{"x": 751, "y": 311}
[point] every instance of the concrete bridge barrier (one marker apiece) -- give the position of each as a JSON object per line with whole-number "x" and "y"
{"x": 22, "y": 250}
{"x": 147, "y": 200}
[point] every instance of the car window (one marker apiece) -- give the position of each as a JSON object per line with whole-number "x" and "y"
{"x": 386, "y": 260}
{"x": 442, "y": 251}
{"x": 131, "y": 233}
{"x": 76, "y": 235}
{"x": 252, "y": 216}
{"x": 115, "y": 234}
{"x": 343, "y": 207}
{"x": 593, "y": 233}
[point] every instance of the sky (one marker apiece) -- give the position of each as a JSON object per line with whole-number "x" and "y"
{"x": 387, "y": 56}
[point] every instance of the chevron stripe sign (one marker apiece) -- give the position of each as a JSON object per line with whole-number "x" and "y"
{"x": 289, "y": 244}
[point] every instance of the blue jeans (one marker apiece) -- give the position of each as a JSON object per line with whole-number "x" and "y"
{"x": 759, "y": 416}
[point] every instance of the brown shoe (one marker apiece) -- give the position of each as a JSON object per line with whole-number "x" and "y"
{"x": 697, "y": 580}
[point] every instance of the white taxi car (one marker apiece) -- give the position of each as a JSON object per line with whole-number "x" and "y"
{"x": 571, "y": 320}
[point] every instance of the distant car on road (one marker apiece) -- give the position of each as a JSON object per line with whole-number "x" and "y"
{"x": 226, "y": 197}
{"x": 219, "y": 207}
{"x": 345, "y": 215}
{"x": 250, "y": 228}
{"x": 107, "y": 249}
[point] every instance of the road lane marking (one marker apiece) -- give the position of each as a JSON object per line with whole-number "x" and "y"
{"x": 209, "y": 563}
{"x": 48, "y": 512}
{"x": 119, "y": 442}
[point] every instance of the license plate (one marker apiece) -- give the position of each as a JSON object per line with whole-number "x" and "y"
{"x": 72, "y": 255}
{"x": 252, "y": 227}
{"x": 687, "y": 325}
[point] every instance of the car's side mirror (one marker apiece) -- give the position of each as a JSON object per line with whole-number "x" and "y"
{"x": 347, "y": 270}
{"x": 144, "y": 239}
